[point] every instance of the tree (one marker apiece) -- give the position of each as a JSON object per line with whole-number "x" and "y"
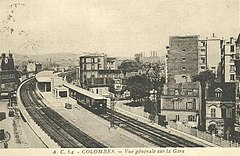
{"x": 154, "y": 74}
{"x": 129, "y": 66}
{"x": 204, "y": 78}
{"x": 137, "y": 85}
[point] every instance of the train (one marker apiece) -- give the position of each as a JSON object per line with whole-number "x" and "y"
{"x": 91, "y": 101}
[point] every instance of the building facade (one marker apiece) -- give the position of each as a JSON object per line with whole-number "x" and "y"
{"x": 9, "y": 77}
{"x": 211, "y": 52}
{"x": 220, "y": 108}
{"x": 180, "y": 101}
{"x": 237, "y": 65}
{"x": 228, "y": 68}
{"x": 111, "y": 63}
{"x": 90, "y": 64}
{"x": 182, "y": 52}
{"x": 99, "y": 73}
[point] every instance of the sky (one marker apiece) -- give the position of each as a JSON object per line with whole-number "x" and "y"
{"x": 115, "y": 27}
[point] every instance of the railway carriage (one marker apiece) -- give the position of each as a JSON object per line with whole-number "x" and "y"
{"x": 87, "y": 99}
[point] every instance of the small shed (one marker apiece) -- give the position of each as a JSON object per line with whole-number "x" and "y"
{"x": 60, "y": 92}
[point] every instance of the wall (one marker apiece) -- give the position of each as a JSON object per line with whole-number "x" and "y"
{"x": 183, "y": 116}
{"x": 56, "y": 81}
{"x": 213, "y": 53}
{"x": 183, "y": 51}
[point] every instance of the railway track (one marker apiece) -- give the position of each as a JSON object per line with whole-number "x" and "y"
{"x": 60, "y": 130}
{"x": 147, "y": 132}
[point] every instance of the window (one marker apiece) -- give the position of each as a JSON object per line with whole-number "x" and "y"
{"x": 183, "y": 68}
{"x": 229, "y": 113}
{"x": 203, "y": 60}
{"x": 213, "y": 112}
{"x": 202, "y": 67}
{"x": 218, "y": 92}
{"x": 190, "y": 106}
{"x": 232, "y": 77}
{"x": 183, "y": 50}
{"x": 185, "y": 78}
{"x": 232, "y": 68}
{"x": 183, "y": 59}
{"x": 192, "y": 118}
{"x": 82, "y": 60}
{"x": 232, "y": 57}
{"x": 92, "y": 67}
{"x": 232, "y": 48}
{"x": 176, "y": 105}
{"x": 177, "y": 118}
{"x": 223, "y": 113}
{"x": 190, "y": 92}
{"x": 176, "y": 92}
{"x": 88, "y": 59}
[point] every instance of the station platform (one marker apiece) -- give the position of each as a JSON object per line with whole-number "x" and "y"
{"x": 94, "y": 125}
{"x": 21, "y": 135}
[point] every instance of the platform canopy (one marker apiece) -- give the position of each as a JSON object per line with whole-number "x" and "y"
{"x": 45, "y": 76}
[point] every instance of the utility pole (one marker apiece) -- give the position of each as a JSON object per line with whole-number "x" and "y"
{"x": 112, "y": 111}
{"x": 153, "y": 94}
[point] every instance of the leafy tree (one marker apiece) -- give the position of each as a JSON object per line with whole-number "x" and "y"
{"x": 137, "y": 85}
{"x": 153, "y": 73}
{"x": 204, "y": 78}
{"x": 129, "y": 66}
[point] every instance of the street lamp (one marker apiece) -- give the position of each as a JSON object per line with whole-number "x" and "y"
{"x": 153, "y": 98}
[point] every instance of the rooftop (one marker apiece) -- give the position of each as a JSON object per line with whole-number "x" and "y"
{"x": 83, "y": 91}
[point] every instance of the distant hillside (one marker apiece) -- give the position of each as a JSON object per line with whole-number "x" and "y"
{"x": 63, "y": 59}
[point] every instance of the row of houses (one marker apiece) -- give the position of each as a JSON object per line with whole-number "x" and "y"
{"x": 182, "y": 101}
{"x": 97, "y": 72}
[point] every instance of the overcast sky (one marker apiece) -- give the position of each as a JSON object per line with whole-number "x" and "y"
{"x": 115, "y": 27}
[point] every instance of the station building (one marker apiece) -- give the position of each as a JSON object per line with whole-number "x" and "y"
{"x": 47, "y": 81}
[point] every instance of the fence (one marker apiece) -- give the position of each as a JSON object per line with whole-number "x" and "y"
{"x": 203, "y": 135}
{"x": 135, "y": 110}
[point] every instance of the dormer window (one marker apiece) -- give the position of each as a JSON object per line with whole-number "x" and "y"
{"x": 218, "y": 92}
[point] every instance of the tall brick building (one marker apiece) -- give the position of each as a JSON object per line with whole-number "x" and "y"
{"x": 185, "y": 59}
{"x": 182, "y": 59}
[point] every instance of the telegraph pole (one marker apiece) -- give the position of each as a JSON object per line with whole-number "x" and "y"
{"x": 153, "y": 94}
{"x": 112, "y": 111}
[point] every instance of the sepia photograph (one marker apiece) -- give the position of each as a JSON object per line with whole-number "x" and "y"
{"x": 119, "y": 77}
